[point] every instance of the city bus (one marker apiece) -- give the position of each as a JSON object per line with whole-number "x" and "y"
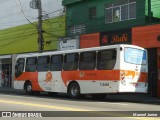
{"x": 95, "y": 71}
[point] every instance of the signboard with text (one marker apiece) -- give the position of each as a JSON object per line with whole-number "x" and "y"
{"x": 68, "y": 43}
{"x": 116, "y": 37}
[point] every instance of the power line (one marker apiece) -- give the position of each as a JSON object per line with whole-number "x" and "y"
{"x": 23, "y": 12}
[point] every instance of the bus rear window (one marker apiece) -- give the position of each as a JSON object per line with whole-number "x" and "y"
{"x": 135, "y": 56}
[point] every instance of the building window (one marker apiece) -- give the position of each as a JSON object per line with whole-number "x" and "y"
{"x": 92, "y": 12}
{"x": 77, "y": 29}
{"x": 121, "y": 11}
{"x": 132, "y": 13}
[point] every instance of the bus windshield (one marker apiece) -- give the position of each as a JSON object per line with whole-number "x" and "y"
{"x": 135, "y": 56}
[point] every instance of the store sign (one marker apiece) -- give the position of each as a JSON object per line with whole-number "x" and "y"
{"x": 68, "y": 43}
{"x": 116, "y": 37}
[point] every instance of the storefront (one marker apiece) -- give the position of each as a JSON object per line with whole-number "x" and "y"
{"x": 116, "y": 37}
{"x": 90, "y": 40}
{"x": 148, "y": 37}
{"x": 5, "y": 71}
{"x": 106, "y": 38}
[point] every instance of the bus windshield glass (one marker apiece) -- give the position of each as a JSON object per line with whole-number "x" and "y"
{"x": 135, "y": 56}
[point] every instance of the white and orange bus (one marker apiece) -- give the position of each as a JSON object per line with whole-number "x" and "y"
{"x": 96, "y": 71}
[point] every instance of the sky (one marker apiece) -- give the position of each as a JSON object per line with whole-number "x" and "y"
{"x": 13, "y": 12}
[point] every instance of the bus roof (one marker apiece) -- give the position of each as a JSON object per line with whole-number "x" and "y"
{"x": 76, "y": 50}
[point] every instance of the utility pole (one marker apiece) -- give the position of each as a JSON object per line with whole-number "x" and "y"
{"x": 149, "y": 11}
{"x": 40, "y": 31}
{"x": 37, "y": 4}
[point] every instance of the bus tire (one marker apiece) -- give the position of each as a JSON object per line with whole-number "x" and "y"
{"x": 28, "y": 88}
{"x": 74, "y": 90}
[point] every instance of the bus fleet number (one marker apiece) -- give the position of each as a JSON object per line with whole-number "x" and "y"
{"x": 104, "y": 84}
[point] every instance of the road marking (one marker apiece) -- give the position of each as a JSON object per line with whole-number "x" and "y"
{"x": 118, "y": 103}
{"x": 43, "y": 106}
{"x": 113, "y": 103}
{"x": 74, "y": 109}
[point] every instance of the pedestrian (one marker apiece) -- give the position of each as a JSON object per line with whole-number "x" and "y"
{"x": 3, "y": 78}
{"x": 6, "y": 78}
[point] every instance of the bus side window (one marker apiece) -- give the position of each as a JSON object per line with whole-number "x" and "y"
{"x": 106, "y": 59}
{"x": 71, "y": 61}
{"x": 31, "y": 64}
{"x": 43, "y": 63}
{"x": 19, "y": 67}
{"x": 87, "y": 60}
{"x": 56, "y": 62}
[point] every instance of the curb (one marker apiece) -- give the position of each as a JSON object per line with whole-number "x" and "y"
{"x": 138, "y": 98}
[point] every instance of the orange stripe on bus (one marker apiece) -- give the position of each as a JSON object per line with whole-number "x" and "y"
{"x": 112, "y": 75}
{"x": 90, "y": 75}
{"x": 33, "y": 77}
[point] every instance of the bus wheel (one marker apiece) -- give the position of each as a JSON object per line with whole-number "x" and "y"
{"x": 28, "y": 88}
{"x": 74, "y": 90}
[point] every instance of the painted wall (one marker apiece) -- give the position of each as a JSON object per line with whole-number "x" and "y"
{"x": 90, "y": 40}
{"x": 24, "y": 38}
{"x": 146, "y": 36}
{"x": 154, "y": 8}
{"x": 18, "y": 36}
{"x": 78, "y": 14}
{"x": 65, "y": 2}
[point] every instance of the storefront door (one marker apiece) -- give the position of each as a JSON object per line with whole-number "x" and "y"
{"x": 158, "y": 62}
{"x": 7, "y": 70}
{"x": 152, "y": 71}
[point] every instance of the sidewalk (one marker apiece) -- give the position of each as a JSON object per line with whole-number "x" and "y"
{"x": 133, "y": 97}
{"x": 9, "y": 90}
{"x": 137, "y": 98}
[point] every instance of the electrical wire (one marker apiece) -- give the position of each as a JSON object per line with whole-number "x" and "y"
{"x": 46, "y": 32}
{"x": 20, "y": 6}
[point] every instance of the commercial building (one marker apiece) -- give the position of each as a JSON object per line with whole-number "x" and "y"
{"x": 106, "y": 22}
{"x": 18, "y": 30}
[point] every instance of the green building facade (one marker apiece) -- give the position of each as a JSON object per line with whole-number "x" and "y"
{"x": 89, "y": 16}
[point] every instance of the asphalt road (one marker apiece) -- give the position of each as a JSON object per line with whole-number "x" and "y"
{"x": 62, "y": 107}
